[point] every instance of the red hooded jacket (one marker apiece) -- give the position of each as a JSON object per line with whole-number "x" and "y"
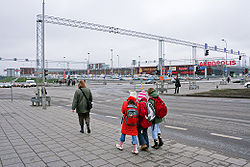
{"x": 143, "y": 122}
{"x": 128, "y": 129}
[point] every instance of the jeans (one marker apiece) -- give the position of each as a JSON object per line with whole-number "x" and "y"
{"x": 143, "y": 136}
{"x": 155, "y": 130}
{"x": 123, "y": 136}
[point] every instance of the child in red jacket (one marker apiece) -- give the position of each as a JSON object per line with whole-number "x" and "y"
{"x": 143, "y": 122}
{"x": 129, "y": 123}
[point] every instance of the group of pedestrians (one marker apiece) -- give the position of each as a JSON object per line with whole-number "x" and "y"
{"x": 138, "y": 115}
{"x": 135, "y": 121}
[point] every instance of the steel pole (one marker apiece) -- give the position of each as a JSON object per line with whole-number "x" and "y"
{"x": 43, "y": 63}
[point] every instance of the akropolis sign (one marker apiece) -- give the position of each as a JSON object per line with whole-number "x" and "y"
{"x": 216, "y": 63}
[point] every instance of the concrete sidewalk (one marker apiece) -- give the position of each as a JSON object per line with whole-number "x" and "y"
{"x": 30, "y": 136}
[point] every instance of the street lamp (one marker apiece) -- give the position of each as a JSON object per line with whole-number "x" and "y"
{"x": 226, "y": 55}
{"x": 111, "y": 70}
{"x": 88, "y": 65}
{"x": 118, "y": 64}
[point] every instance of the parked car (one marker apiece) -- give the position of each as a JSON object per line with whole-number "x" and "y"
{"x": 25, "y": 85}
{"x": 150, "y": 82}
{"x": 247, "y": 84}
{"x": 5, "y": 85}
{"x": 32, "y": 83}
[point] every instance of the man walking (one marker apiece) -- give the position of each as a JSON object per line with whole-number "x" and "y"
{"x": 177, "y": 85}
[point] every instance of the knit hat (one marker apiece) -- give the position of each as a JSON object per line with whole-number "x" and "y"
{"x": 142, "y": 94}
{"x": 132, "y": 98}
{"x": 133, "y": 93}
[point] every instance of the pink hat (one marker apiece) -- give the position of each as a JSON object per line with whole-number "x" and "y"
{"x": 142, "y": 94}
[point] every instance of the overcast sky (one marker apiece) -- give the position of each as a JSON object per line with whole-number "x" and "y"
{"x": 201, "y": 21}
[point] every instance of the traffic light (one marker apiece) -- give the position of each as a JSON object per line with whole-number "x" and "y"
{"x": 239, "y": 57}
{"x": 206, "y": 52}
{"x": 15, "y": 59}
{"x": 246, "y": 70}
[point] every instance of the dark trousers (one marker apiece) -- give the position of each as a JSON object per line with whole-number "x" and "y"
{"x": 82, "y": 117}
{"x": 176, "y": 89}
{"x": 143, "y": 136}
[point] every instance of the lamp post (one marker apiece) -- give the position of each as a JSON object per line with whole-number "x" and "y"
{"x": 43, "y": 58}
{"x": 88, "y": 65}
{"x": 139, "y": 65}
{"x": 111, "y": 70}
{"x": 226, "y": 55}
{"x": 118, "y": 65}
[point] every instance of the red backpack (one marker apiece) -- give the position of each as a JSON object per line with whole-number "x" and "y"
{"x": 160, "y": 107}
{"x": 132, "y": 115}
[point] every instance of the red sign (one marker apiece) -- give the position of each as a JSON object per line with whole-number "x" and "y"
{"x": 215, "y": 63}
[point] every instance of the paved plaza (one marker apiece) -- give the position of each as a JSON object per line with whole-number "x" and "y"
{"x": 33, "y": 137}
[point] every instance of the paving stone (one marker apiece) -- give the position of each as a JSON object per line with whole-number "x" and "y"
{"x": 36, "y": 164}
{"x": 28, "y": 160}
{"x": 108, "y": 165}
{"x": 69, "y": 158}
{"x": 199, "y": 164}
{"x": 185, "y": 160}
{"x": 117, "y": 161}
{"x": 237, "y": 161}
{"x": 97, "y": 162}
{"x": 50, "y": 158}
{"x": 167, "y": 162}
{"x": 45, "y": 154}
{"x": 14, "y": 165}
{"x": 233, "y": 165}
{"x": 175, "y": 150}
{"x": 64, "y": 153}
{"x": 204, "y": 152}
{"x": 217, "y": 162}
{"x": 149, "y": 164}
{"x": 107, "y": 156}
{"x": 192, "y": 149}
{"x": 219, "y": 157}
{"x": 77, "y": 163}
{"x": 180, "y": 165}
{"x": 203, "y": 158}
{"x": 28, "y": 154}
{"x": 247, "y": 165}
{"x": 11, "y": 161}
{"x": 57, "y": 164}
{"x": 178, "y": 145}
{"x": 7, "y": 156}
{"x": 89, "y": 157}
{"x": 129, "y": 164}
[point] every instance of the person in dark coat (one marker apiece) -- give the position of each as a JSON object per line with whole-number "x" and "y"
{"x": 177, "y": 85}
{"x": 143, "y": 122}
{"x": 80, "y": 104}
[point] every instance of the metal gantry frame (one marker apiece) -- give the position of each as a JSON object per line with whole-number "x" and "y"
{"x": 120, "y": 31}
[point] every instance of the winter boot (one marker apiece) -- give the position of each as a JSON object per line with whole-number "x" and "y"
{"x": 119, "y": 146}
{"x": 82, "y": 131}
{"x": 156, "y": 146}
{"x": 135, "y": 151}
{"x": 88, "y": 128}
{"x": 160, "y": 140}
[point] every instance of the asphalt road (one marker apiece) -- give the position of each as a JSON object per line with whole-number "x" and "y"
{"x": 220, "y": 124}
